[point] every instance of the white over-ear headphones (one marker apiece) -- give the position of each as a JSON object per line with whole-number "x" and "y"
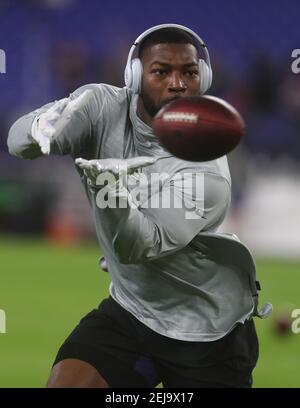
{"x": 134, "y": 68}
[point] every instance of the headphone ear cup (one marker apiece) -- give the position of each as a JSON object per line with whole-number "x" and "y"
{"x": 136, "y": 75}
{"x": 205, "y": 76}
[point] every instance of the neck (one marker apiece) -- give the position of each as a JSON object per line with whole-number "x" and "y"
{"x": 142, "y": 113}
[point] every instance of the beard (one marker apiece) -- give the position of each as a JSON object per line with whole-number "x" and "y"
{"x": 149, "y": 105}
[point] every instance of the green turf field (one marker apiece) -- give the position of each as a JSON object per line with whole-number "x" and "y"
{"x": 45, "y": 290}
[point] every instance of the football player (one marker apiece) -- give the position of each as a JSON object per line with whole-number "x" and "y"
{"x": 182, "y": 297}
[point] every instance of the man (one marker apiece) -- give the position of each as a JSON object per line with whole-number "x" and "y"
{"x": 182, "y": 296}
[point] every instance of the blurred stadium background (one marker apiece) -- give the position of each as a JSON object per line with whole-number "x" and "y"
{"x": 49, "y": 257}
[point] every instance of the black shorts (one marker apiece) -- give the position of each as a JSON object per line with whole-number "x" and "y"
{"x": 129, "y": 354}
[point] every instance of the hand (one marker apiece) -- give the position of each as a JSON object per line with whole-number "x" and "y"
{"x": 55, "y": 119}
{"x": 117, "y": 167}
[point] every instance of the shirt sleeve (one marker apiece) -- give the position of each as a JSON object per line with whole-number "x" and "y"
{"x": 75, "y": 139}
{"x": 150, "y": 231}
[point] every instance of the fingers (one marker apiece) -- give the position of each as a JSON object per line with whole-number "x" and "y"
{"x": 65, "y": 106}
{"x": 136, "y": 163}
{"x": 114, "y": 165}
{"x": 82, "y": 162}
{"x": 77, "y": 103}
{"x": 91, "y": 168}
{"x": 45, "y": 134}
{"x": 94, "y": 165}
{"x": 52, "y": 121}
{"x": 71, "y": 104}
{"x": 141, "y": 161}
{"x": 45, "y": 145}
{"x": 61, "y": 105}
{"x": 42, "y": 133}
{"x": 54, "y": 113}
{"x": 117, "y": 167}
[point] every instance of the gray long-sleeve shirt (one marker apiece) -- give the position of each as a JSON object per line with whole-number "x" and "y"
{"x": 168, "y": 265}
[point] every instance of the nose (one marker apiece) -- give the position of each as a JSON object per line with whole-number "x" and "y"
{"x": 176, "y": 83}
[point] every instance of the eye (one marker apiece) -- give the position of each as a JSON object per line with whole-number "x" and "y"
{"x": 159, "y": 72}
{"x": 192, "y": 73}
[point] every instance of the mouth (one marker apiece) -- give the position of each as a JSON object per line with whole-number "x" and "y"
{"x": 166, "y": 101}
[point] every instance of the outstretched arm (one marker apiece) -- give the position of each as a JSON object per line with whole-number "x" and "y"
{"x": 62, "y": 127}
{"x": 167, "y": 221}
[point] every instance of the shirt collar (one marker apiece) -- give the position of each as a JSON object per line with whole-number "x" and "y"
{"x": 145, "y": 141}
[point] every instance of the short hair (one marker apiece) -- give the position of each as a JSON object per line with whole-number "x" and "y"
{"x": 168, "y": 35}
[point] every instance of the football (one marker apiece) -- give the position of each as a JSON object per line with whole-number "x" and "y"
{"x": 199, "y": 128}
